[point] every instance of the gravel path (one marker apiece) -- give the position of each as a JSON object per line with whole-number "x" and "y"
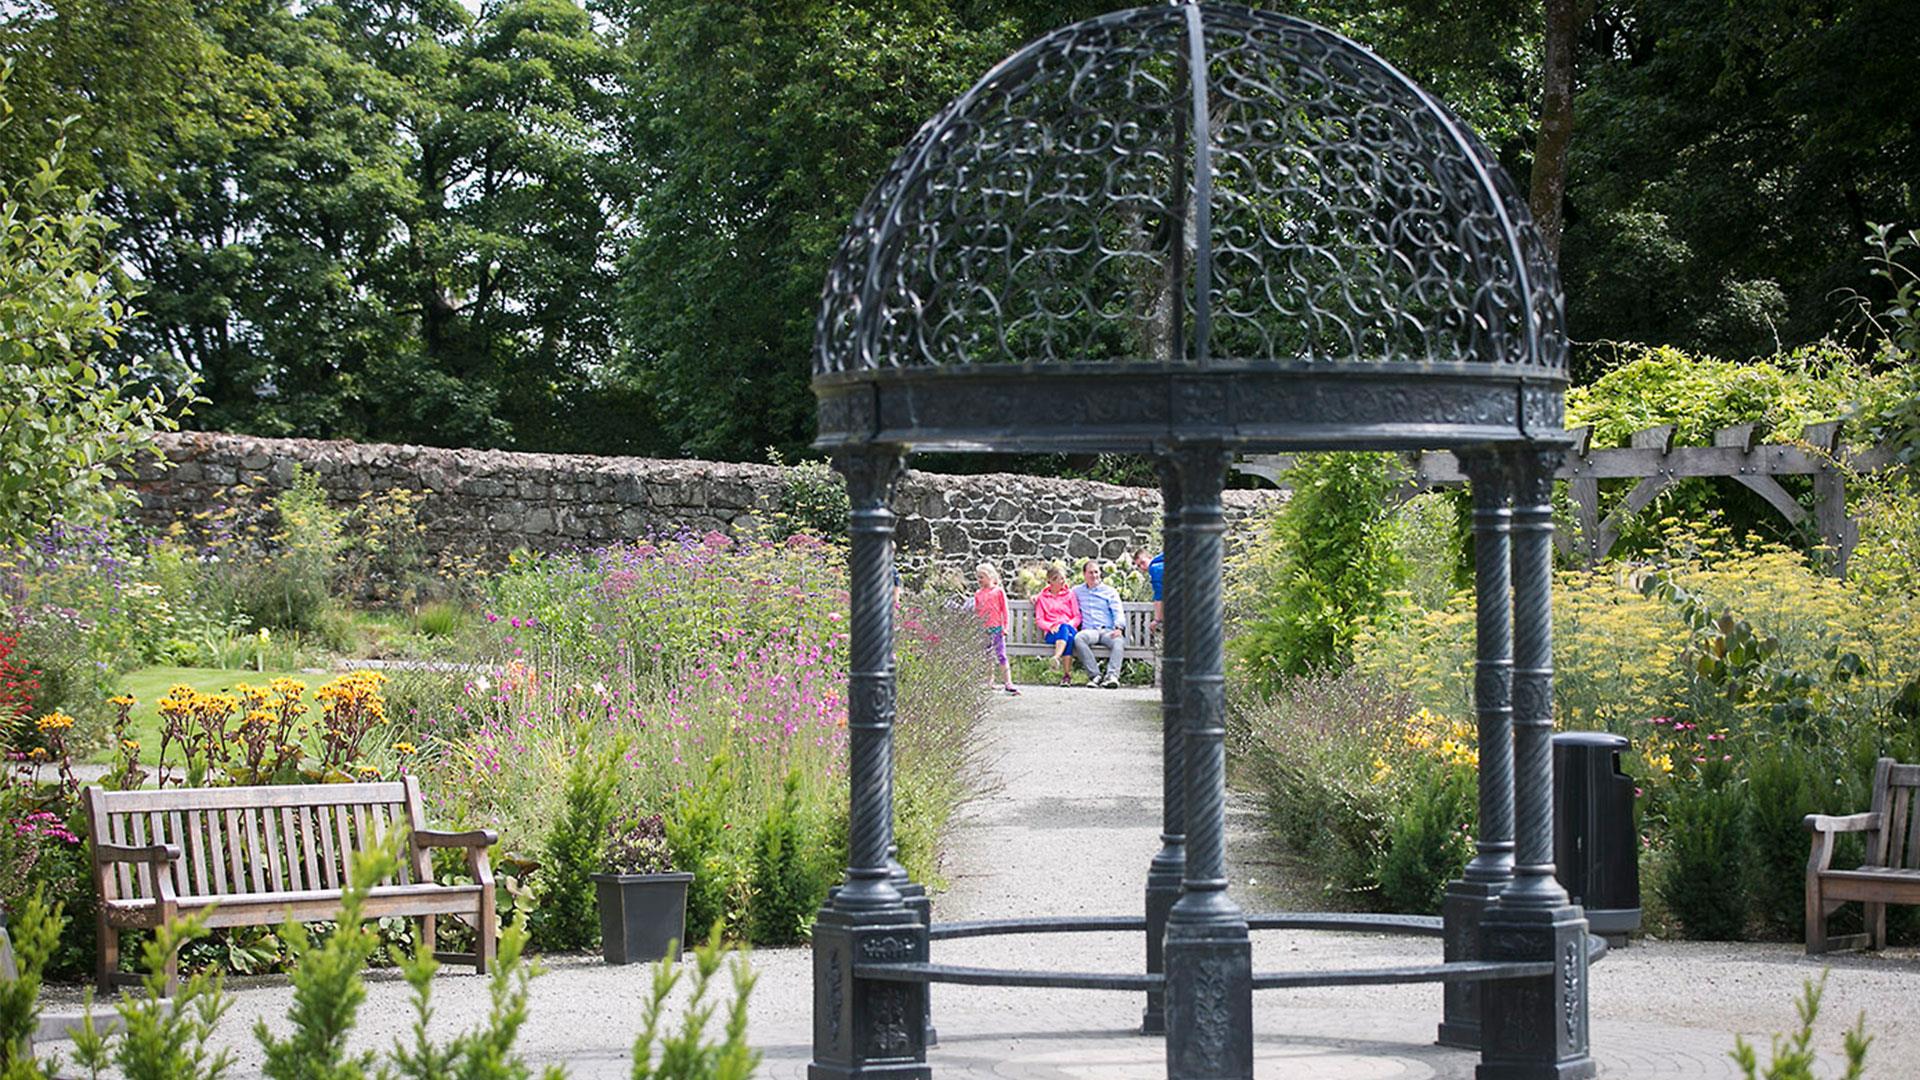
{"x": 1068, "y": 829}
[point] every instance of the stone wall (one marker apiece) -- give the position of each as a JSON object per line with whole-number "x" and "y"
{"x": 485, "y": 503}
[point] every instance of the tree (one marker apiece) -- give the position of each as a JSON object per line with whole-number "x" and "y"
{"x": 753, "y": 160}
{"x": 67, "y": 420}
{"x": 1730, "y": 159}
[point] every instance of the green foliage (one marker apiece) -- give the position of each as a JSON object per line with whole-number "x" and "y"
{"x": 1699, "y": 394}
{"x": 1720, "y": 186}
{"x": 327, "y": 986}
{"x": 164, "y": 1037}
{"x": 69, "y": 418}
{"x": 813, "y": 498}
{"x": 1793, "y": 1056}
{"x": 1700, "y": 882}
{"x": 35, "y": 933}
{"x": 1783, "y": 786}
{"x": 789, "y": 878}
{"x": 697, "y": 829}
{"x": 290, "y": 586}
{"x": 1428, "y": 838}
{"x": 575, "y": 850}
{"x": 687, "y": 1054}
{"x": 756, "y": 166}
{"x": 1340, "y": 564}
{"x": 485, "y": 1053}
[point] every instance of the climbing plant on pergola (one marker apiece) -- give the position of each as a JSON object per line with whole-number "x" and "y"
{"x": 1187, "y": 231}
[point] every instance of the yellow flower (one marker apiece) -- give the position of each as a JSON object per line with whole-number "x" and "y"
{"x": 124, "y": 701}
{"x": 54, "y": 721}
{"x": 369, "y": 770}
{"x": 404, "y": 748}
{"x": 131, "y": 746}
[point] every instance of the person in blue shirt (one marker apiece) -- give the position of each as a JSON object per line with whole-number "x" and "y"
{"x": 1155, "y": 568}
{"x": 1103, "y": 621}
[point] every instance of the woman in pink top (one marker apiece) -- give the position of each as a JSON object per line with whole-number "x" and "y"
{"x": 990, "y": 603}
{"x": 1057, "y": 613}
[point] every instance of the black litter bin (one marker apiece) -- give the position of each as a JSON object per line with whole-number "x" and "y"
{"x": 1595, "y": 850}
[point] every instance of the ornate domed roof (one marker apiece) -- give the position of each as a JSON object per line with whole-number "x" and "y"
{"x": 1191, "y": 222}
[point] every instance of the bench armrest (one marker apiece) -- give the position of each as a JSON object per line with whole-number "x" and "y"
{"x": 472, "y": 838}
{"x": 1828, "y": 823}
{"x": 161, "y": 854}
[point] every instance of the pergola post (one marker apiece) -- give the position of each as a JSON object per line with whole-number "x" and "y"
{"x": 1492, "y": 866}
{"x": 1209, "y": 955}
{"x": 1167, "y": 871}
{"x": 867, "y": 1027}
{"x": 1536, "y": 1028}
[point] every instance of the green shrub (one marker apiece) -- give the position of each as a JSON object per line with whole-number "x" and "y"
{"x": 567, "y": 917}
{"x": 701, "y": 838}
{"x": 35, "y": 934}
{"x": 687, "y": 1054}
{"x": 790, "y": 880}
{"x": 1700, "y": 883}
{"x": 1339, "y": 565}
{"x": 1783, "y": 786}
{"x": 813, "y": 498}
{"x": 290, "y": 587}
{"x": 1793, "y": 1056}
{"x": 1428, "y": 838}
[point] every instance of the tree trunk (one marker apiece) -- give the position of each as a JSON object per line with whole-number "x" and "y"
{"x": 1556, "y": 122}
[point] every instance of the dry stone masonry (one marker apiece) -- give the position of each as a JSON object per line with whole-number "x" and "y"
{"x": 483, "y": 504}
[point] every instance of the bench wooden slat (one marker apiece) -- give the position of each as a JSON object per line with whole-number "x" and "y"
{"x": 255, "y": 860}
{"x": 258, "y": 909}
{"x": 233, "y": 798}
{"x": 176, "y": 825}
{"x": 275, "y": 875}
{"x": 1896, "y": 827}
{"x": 323, "y": 822}
{"x": 117, "y": 834}
{"x": 421, "y": 858}
{"x": 195, "y": 841}
{"x": 1873, "y": 886}
{"x": 236, "y": 850}
{"x": 343, "y": 832}
{"x": 290, "y": 844}
{"x": 217, "y": 854}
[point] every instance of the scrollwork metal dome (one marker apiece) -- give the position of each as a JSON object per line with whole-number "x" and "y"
{"x": 1191, "y": 222}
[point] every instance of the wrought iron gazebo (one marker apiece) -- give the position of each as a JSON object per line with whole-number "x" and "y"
{"x": 1191, "y": 230}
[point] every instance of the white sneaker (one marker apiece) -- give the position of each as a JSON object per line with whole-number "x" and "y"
{"x": 1112, "y": 682}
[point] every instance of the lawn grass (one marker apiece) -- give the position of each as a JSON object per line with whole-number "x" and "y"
{"x": 149, "y": 685}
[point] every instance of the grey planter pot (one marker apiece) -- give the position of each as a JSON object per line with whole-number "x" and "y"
{"x": 641, "y": 915}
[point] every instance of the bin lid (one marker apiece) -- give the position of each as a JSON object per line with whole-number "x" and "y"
{"x": 1603, "y": 739}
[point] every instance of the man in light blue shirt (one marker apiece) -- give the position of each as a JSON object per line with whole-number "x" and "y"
{"x": 1103, "y": 621}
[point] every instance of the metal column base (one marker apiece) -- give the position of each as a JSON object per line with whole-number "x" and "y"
{"x": 864, "y": 1027}
{"x": 1460, "y": 915}
{"x": 1535, "y": 1029}
{"x": 1163, "y": 889}
{"x": 1209, "y": 1017}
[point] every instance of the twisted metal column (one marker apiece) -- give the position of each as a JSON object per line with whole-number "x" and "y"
{"x": 1168, "y": 868}
{"x": 1535, "y": 1028}
{"x": 1533, "y": 882}
{"x": 1492, "y": 866}
{"x": 1209, "y": 959}
{"x": 870, "y": 476}
{"x": 866, "y": 1027}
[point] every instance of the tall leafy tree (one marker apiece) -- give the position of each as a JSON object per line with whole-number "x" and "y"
{"x": 1729, "y": 160}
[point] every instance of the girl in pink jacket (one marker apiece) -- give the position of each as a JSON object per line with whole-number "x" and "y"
{"x": 1058, "y": 615}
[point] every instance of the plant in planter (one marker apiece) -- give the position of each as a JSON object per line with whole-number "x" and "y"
{"x": 643, "y": 901}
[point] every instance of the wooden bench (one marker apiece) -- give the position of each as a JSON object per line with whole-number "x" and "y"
{"x": 1143, "y": 644}
{"x": 1889, "y": 872}
{"x": 258, "y": 856}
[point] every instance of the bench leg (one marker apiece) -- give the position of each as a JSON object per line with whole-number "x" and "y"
{"x": 1876, "y": 925}
{"x": 170, "y": 971}
{"x": 108, "y": 948}
{"x": 428, "y": 940}
{"x": 485, "y": 934}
